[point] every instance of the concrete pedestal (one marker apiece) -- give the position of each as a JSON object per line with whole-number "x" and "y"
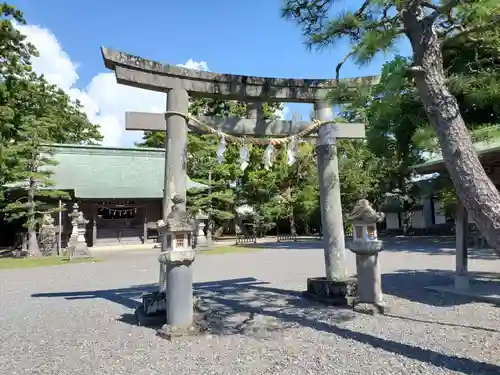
{"x": 332, "y": 292}
{"x": 78, "y": 246}
{"x": 179, "y": 295}
{"x": 152, "y": 311}
{"x": 202, "y": 241}
{"x": 369, "y": 299}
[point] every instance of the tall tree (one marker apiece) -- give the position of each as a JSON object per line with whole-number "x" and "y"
{"x": 33, "y": 114}
{"x": 29, "y": 160}
{"x": 376, "y": 26}
{"x": 286, "y": 191}
{"x": 399, "y": 131}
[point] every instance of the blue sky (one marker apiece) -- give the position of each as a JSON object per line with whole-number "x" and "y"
{"x": 233, "y": 36}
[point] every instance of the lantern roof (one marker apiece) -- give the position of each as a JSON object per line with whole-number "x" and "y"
{"x": 178, "y": 219}
{"x": 364, "y": 213}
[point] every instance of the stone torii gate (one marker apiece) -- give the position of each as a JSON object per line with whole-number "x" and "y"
{"x": 180, "y": 84}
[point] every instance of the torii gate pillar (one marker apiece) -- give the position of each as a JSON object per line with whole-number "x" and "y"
{"x": 331, "y": 206}
{"x": 176, "y": 141}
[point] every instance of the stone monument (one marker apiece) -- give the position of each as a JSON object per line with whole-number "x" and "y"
{"x": 179, "y": 83}
{"x": 78, "y": 245}
{"x": 47, "y": 236}
{"x": 366, "y": 245}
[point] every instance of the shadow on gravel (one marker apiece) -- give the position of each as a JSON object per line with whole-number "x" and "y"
{"x": 238, "y": 304}
{"x": 288, "y": 245}
{"x": 433, "y": 246}
{"x": 411, "y": 284}
{"x": 423, "y": 245}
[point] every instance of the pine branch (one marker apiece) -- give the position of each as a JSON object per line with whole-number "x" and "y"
{"x": 447, "y": 7}
{"x": 464, "y": 32}
{"x": 362, "y": 9}
{"x": 429, "y": 5}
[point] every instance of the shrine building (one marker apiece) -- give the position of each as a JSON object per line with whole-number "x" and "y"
{"x": 119, "y": 190}
{"x": 465, "y": 228}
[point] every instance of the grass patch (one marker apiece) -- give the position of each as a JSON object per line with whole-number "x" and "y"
{"x": 228, "y": 250}
{"x": 13, "y": 263}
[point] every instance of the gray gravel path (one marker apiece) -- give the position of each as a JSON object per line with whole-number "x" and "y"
{"x": 76, "y": 319}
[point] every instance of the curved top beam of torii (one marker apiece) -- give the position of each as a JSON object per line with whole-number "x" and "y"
{"x": 138, "y": 72}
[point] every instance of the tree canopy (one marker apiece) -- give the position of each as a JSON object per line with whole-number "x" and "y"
{"x": 423, "y": 104}
{"x": 434, "y": 30}
{"x": 33, "y": 115}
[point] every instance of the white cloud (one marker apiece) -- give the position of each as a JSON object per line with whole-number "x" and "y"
{"x": 104, "y": 101}
{"x": 190, "y": 64}
{"x": 283, "y": 113}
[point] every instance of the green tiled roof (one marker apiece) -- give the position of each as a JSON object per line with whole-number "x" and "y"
{"x": 110, "y": 172}
{"x": 435, "y": 164}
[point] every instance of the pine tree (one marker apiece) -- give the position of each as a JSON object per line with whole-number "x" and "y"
{"x": 429, "y": 25}
{"x": 399, "y": 131}
{"x": 33, "y": 114}
{"x": 29, "y": 162}
{"x": 284, "y": 192}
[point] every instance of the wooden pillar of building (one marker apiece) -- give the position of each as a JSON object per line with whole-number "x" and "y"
{"x": 145, "y": 224}
{"x": 461, "y": 256}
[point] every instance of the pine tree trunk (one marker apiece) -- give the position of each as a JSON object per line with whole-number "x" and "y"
{"x": 33, "y": 247}
{"x": 291, "y": 220}
{"x": 407, "y": 220}
{"x": 472, "y": 185}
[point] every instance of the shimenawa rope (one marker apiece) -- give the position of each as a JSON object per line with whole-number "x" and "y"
{"x": 315, "y": 124}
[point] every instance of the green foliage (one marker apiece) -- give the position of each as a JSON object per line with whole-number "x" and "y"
{"x": 361, "y": 173}
{"x": 288, "y": 192}
{"x": 33, "y": 113}
{"x": 376, "y": 25}
{"x": 208, "y": 107}
{"x": 464, "y": 58}
{"x": 33, "y": 119}
{"x": 221, "y": 200}
{"x": 399, "y": 131}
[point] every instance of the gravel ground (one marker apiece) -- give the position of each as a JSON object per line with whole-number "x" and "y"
{"x": 77, "y": 319}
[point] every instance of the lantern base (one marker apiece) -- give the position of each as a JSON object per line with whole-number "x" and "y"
{"x": 369, "y": 308}
{"x": 169, "y": 332}
{"x": 152, "y": 320}
{"x": 152, "y": 312}
{"x": 197, "y": 328}
{"x": 335, "y": 293}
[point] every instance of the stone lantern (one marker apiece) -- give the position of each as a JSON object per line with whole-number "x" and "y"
{"x": 366, "y": 246}
{"x": 202, "y": 242}
{"x": 78, "y": 245}
{"x": 178, "y": 256}
{"x": 174, "y": 236}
